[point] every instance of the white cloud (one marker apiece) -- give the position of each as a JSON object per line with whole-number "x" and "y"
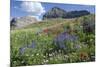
{"x": 34, "y": 8}
{"x": 37, "y": 17}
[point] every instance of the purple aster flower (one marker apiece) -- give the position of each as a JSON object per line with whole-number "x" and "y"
{"x": 60, "y": 39}
{"x": 77, "y": 46}
{"x": 32, "y": 45}
{"x": 22, "y": 50}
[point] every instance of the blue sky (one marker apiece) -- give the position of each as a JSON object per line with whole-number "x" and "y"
{"x": 18, "y": 8}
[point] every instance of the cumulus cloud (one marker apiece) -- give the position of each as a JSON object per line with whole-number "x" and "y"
{"x": 34, "y": 8}
{"x": 37, "y": 17}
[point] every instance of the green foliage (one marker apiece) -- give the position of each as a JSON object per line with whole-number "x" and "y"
{"x": 88, "y": 24}
{"x": 45, "y": 51}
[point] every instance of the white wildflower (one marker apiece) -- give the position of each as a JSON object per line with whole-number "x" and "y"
{"x": 37, "y": 54}
{"x": 50, "y": 54}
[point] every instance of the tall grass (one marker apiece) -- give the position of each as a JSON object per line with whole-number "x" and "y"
{"x": 68, "y": 42}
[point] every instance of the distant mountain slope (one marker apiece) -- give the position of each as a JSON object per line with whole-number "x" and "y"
{"x": 56, "y": 22}
{"x": 56, "y": 12}
{"x": 22, "y": 21}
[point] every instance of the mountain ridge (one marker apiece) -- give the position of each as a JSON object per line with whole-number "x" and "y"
{"x": 57, "y": 12}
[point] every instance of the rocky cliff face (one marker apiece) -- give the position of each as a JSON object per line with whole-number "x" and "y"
{"x": 54, "y": 13}
{"x": 22, "y": 21}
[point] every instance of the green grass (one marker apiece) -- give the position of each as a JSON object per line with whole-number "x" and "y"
{"x": 45, "y": 51}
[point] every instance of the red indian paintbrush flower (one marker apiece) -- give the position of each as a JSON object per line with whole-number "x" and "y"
{"x": 83, "y": 56}
{"x": 45, "y": 30}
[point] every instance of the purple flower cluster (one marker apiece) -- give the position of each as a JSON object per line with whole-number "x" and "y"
{"x": 32, "y": 45}
{"x": 60, "y": 39}
{"x": 77, "y": 46}
{"x": 22, "y": 49}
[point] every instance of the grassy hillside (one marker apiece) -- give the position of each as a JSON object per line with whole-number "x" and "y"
{"x": 54, "y": 41}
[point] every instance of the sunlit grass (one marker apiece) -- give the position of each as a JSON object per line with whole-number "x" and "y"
{"x": 53, "y": 41}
